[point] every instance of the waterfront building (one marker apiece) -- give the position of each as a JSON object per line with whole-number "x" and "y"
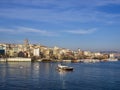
{"x": 36, "y": 52}
{"x": 47, "y": 53}
{"x": 97, "y": 54}
{"x": 40, "y": 51}
{"x": 87, "y": 53}
{"x": 112, "y": 55}
{"x": 55, "y": 50}
{"x": 20, "y": 47}
{"x": 2, "y": 50}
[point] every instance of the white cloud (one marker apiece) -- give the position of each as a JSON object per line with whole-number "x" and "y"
{"x": 89, "y": 31}
{"x": 20, "y": 30}
{"x": 51, "y": 16}
{"x": 62, "y": 11}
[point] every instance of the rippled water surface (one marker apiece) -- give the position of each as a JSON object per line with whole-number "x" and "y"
{"x": 44, "y": 76}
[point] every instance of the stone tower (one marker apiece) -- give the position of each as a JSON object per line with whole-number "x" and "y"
{"x": 26, "y": 45}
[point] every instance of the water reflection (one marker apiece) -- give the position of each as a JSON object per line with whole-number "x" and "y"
{"x": 14, "y": 69}
{"x": 35, "y": 70}
{"x": 25, "y": 69}
{"x": 63, "y": 74}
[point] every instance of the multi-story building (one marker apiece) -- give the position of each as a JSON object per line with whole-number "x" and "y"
{"x": 30, "y": 50}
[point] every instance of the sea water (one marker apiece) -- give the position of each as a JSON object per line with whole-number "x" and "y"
{"x": 44, "y": 76}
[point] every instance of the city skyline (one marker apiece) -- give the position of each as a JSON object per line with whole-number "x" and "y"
{"x": 91, "y": 25}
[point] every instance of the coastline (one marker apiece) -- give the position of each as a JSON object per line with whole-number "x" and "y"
{"x": 21, "y": 59}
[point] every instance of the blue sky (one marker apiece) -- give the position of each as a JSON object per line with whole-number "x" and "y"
{"x": 84, "y": 24}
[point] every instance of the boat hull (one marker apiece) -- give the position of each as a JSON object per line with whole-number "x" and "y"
{"x": 65, "y": 68}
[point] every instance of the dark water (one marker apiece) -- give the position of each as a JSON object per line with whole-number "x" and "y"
{"x": 44, "y": 76}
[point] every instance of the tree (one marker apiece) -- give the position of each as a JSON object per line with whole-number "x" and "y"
{"x": 21, "y": 54}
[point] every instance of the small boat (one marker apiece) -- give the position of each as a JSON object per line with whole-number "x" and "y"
{"x": 66, "y": 68}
